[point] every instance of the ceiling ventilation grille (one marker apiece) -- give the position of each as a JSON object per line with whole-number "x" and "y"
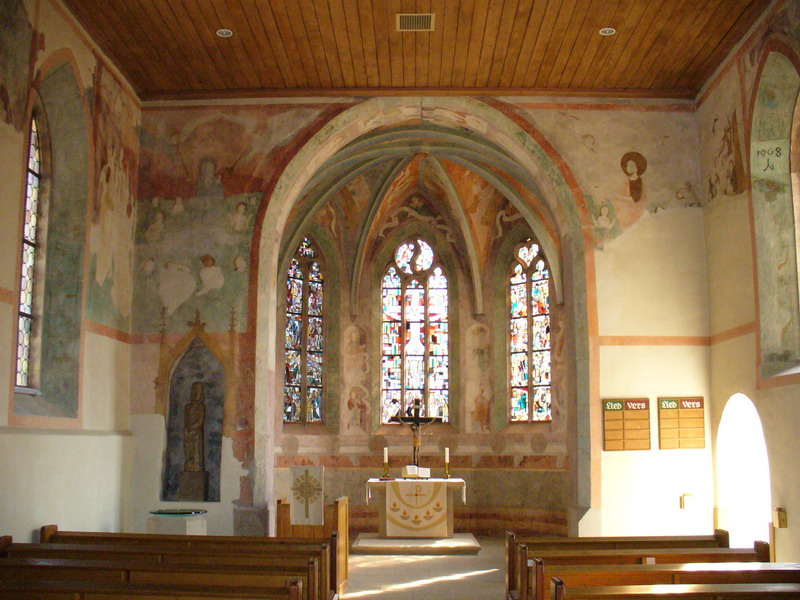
{"x": 415, "y": 21}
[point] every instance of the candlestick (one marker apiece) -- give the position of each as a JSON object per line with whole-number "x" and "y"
{"x": 447, "y": 463}
{"x": 386, "y": 462}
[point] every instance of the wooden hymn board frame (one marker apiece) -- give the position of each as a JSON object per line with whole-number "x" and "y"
{"x": 626, "y": 423}
{"x": 681, "y": 423}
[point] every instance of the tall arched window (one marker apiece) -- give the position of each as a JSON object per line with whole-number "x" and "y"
{"x": 303, "y": 339}
{"x": 29, "y": 230}
{"x": 414, "y": 334}
{"x": 529, "y": 335}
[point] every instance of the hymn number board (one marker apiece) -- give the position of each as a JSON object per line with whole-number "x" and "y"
{"x": 681, "y": 423}
{"x": 626, "y": 423}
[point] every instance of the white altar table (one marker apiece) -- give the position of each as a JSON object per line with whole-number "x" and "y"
{"x": 415, "y": 508}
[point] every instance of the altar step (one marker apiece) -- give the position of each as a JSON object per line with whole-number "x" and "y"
{"x": 460, "y": 543}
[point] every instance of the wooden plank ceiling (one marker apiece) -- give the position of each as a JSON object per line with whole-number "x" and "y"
{"x": 663, "y": 48}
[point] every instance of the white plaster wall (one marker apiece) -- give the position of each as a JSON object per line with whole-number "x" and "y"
{"x": 652, "y": 279}
{"x": 640, "y": 490}
{"x": 106, "y": 382}
{"x": 150, "y": 434}
{"x": 73, "y": 479}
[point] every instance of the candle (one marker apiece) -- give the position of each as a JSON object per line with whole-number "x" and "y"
{"x": 447, "y": 455}
{"x": 385, "y": 454}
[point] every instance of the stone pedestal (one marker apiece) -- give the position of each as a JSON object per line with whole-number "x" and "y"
{"x": 178, "y": 524}
{"x": 193, "y": 485}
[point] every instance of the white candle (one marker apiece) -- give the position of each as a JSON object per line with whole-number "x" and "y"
{"x": 385, "y": 454}
{"x": 447, "y": 455}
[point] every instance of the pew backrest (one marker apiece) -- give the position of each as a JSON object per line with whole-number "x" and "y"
{"x": 724, "y": 591}
{"x": 99, "y": 590}
{"x": 515, "y": 568}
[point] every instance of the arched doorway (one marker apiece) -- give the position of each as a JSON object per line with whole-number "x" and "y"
{"x": 743, "y": 480}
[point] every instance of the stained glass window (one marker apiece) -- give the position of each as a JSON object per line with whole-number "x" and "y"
{"x": 414, "y": 334}
{"x": 529, "y": 335}
{"x": 303, "y": 337}
{"x": 29, "y": 227}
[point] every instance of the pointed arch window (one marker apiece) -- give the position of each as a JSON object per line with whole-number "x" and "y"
{"x": 303, "y": 338}
{"x": 414, "y": 334}
{"x": 529, "y": 335}
{"x": 28, "y": 260}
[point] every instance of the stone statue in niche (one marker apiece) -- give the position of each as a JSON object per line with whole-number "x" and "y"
{"x": 194, "y": 419}
{"x": 634, "y": 165}
{"x": 193, "y": 480}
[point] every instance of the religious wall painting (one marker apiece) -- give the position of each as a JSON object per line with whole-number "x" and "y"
{"x": 16, "y": 42}
{"x": 483, "y": 205}
{"x": 195, "y": 256}
{"x": 476, "y": 374}
{"x": 117, "y": 122}
{"x": 634, "y": 165}
{"x": 196, "y": 404}
{"x": 774, "y": 212}
{"x": 728, "y": 171}
{"x": 355, "y": 374}
{"x": 205, "y": 151}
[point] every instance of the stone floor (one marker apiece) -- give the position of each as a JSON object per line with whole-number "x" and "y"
{"x": 393, "y": 577}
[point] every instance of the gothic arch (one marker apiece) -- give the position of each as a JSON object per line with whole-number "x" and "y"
{"x": 494, "y": 131}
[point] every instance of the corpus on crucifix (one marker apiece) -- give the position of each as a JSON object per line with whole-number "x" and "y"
{"x": 417, "y": 423}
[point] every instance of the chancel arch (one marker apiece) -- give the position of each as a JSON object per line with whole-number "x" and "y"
{"x": 539, "y": 192}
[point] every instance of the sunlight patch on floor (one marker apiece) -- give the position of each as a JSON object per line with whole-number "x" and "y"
{"x": 418, "y": 583}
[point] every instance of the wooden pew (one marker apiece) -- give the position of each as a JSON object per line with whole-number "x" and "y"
{"x": 528, "y": 582}
{"x": 707, "y": 591}
{"x": 100, "y": 590}
{"x": 720, "y": 539}
{"x": 336, "y": 522}
{"x": 219, "y": 575}
{"x": 661, "y": 574}
{"x": 234, "y": 549}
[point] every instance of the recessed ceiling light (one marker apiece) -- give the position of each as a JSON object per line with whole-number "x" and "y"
{"x": 224, "y": 33}
{"x": 608, "y": 31}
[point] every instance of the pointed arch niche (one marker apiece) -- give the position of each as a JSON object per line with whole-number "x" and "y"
{"x": 376, "y": 140}
{"x": 195, "y": 379}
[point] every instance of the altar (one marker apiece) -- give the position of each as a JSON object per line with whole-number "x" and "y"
{"x": 416, "y": 508}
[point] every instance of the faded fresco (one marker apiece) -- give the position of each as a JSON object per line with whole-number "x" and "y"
{"x": 116, "y": 126}
{"x": 194, "y": 254}
{"x": 774, "y": 211}
{"x": 16, "y": 41}
{"x": 626, "y": 176}
{"x": 201, "y": 187}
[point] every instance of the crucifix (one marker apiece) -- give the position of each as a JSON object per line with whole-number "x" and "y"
{"x": 417, "y": 423}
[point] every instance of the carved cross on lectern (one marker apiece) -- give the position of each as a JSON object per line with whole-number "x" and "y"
{"x": 417, "y": 423}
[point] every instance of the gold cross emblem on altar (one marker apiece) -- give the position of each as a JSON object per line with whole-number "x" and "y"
{"x": 416, "y": 495}
{"x": 306, "y": 489}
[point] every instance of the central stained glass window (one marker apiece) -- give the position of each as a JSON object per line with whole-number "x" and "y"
{"x": 302, "y": 384}
{"x": 529, "y": 335}
{"x": 414, "y": 334}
